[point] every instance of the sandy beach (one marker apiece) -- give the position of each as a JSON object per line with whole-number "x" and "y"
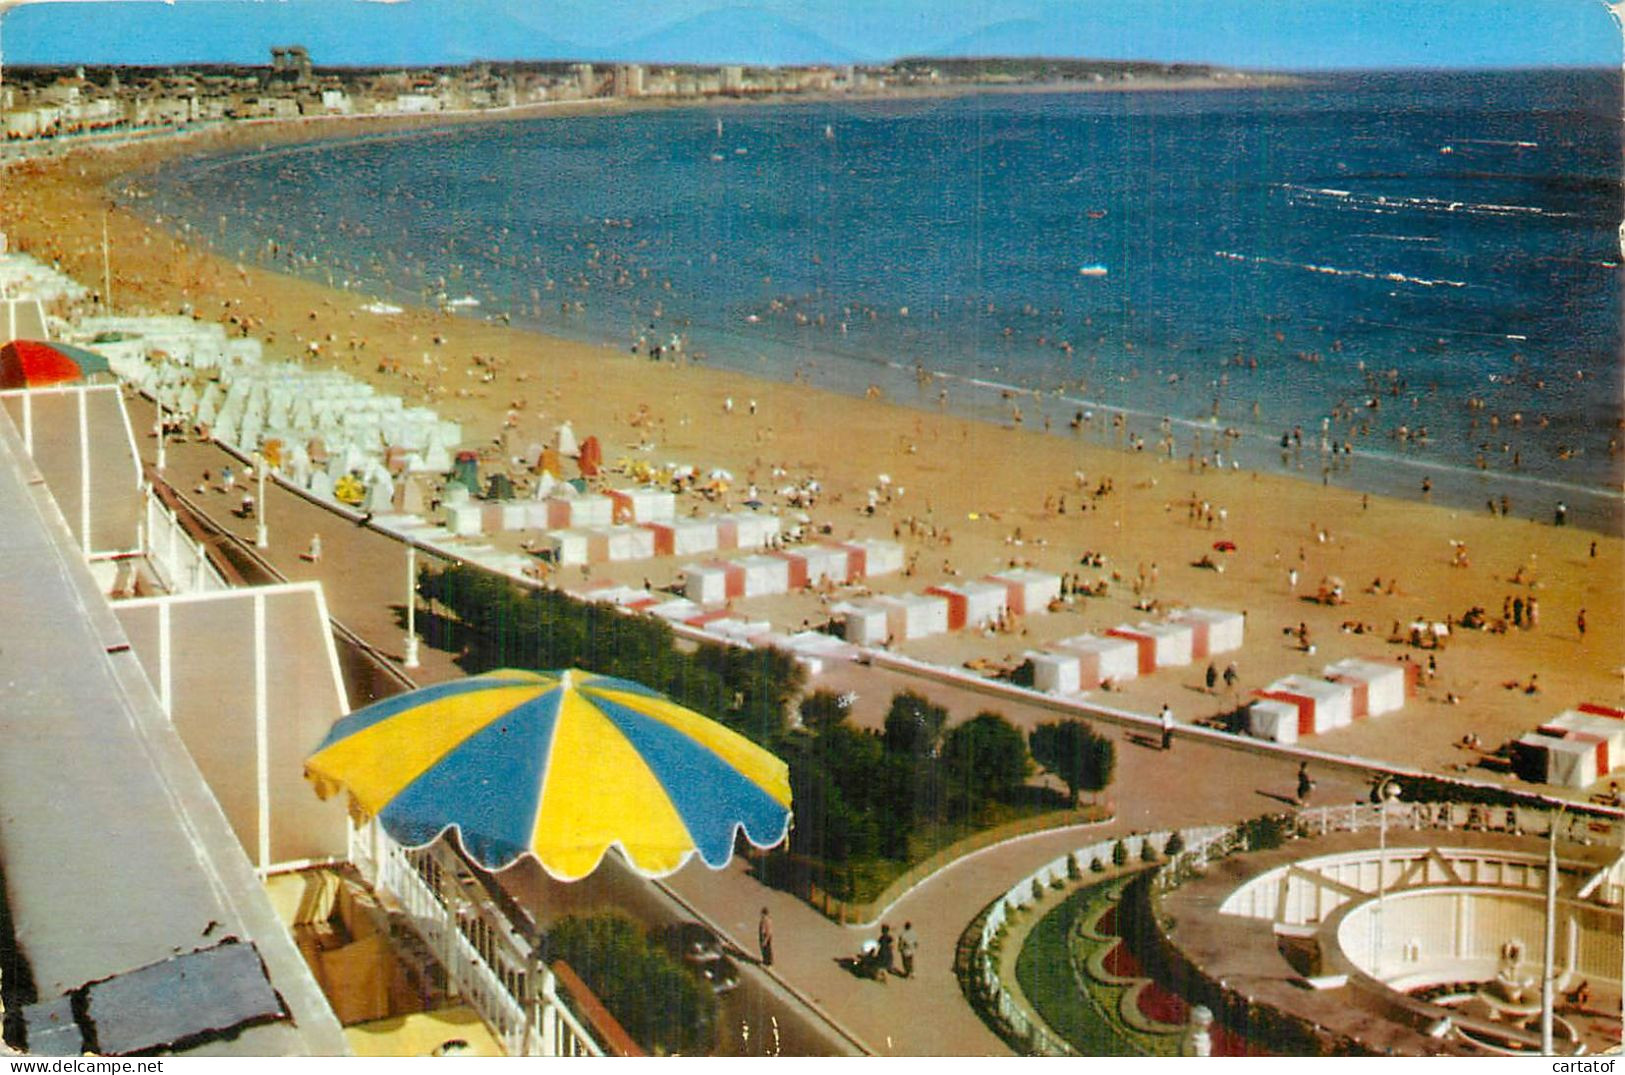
{"x": 965, "y": 497}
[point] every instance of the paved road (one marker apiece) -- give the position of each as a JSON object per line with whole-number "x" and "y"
{"x": 364, "y": 575}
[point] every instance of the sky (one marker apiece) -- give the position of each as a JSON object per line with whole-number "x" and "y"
{"x": 1281, "y": 34}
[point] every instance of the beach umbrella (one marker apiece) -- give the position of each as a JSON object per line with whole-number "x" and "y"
{"x": 1224, "y": 546}
{"x": 558, "y": 765}
{"x": 36, "y": 364}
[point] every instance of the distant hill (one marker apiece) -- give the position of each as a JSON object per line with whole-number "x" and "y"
{"x": 731, "y": 35}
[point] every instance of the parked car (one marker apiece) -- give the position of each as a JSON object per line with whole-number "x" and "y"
{"x": 703, "y": 952}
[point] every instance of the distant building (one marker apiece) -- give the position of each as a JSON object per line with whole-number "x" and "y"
{"x": 586, "y": 81}
{"x": 629, "y": 80}
{"x": 290, "y": 62}
{"x": 336, "y": 102}
{"x": 733, "y": 79}
{"x": 417, "y": 102}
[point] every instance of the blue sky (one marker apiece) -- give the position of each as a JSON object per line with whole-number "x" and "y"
{"x": 1292, "y": 34}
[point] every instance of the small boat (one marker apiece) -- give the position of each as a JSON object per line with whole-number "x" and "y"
{"x": 464, "y": 302}
{"x": 1092, "y": 270}
{"x": 829, "y": 132}
{"x": 384, "y": 308}
{"x": 1097, "y": 214}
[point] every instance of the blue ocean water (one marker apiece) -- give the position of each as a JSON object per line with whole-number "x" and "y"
{"x": 1422, "y": 267}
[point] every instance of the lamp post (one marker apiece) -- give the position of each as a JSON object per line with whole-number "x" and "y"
{"x": 1387, "y": 792}
{"x": 262, "y": 536}
{"x": 411, "y": 657}
{"x": 158, "y": 423}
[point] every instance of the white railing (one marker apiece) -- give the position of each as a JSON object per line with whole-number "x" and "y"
{"x": 179, "y": 562}
{"x": 487, "y": 961}
{"x": 1018, "y": 1020}
{"x": 1205, "y": 844}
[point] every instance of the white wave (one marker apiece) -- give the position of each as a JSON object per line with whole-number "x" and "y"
{"x": 1397, "y": 238}
{"x": 1385, "y": 203}
{"x": 1333, "y": 270}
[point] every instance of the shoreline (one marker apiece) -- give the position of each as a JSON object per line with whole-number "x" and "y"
{"x": 1375, "y": 470}
{"x": 968, "y": 495}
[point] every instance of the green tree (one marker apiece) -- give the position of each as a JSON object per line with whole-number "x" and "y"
{"x": 1079, "y": 758}
{"x": 664, "y": 1006}
{"x": 823, "y": 708}
{"x": 985, "y": 758}
{"x": 914, "y": 725}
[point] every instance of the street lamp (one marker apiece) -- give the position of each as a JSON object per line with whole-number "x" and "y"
{"x": 262, "y": 537}
{"x": 411, "y": 659}
{"x": 158, "y": 423}
{"x": 1386, "y": 792}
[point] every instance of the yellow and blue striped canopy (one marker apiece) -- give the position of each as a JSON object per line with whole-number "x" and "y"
{"x": 560, "y": 765}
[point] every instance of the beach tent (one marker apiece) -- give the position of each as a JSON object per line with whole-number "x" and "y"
{"x": 796, "y": 566}
{"x": 618, "y": 544}
{"x": 1144, "y": 643}
{"x": 1607, "y": 732}
{"x": 499, "y": 487}
{"x": 823, "y": 563}
{"x": 712, "y": 583}
{"x": 1027, "y": 591}
{"x": 464, "y": 520}
{"x": 566, "y": 438}
{"x": 1101, "y": 659}
{"x": 971, "y": 604}
{"x": 591, "y": 459}
{"x": 1055, "y": 673}
{"x": 567, "y": 548}
{"x": 1571, "y": 763}
{"x": 1322, "y": 706}
{"x": 765, "y": 576}
{"x": 746, "y": 530}
{"x": 579, "y": 510}
{"x": 1212, "y": 631}
{"x": 465, "y": 471}
{"x": 643, "y": 504}
{"x": 1274, "y": 720}
{"x": 866, "y": 624}
{"x": 871, "y": 559}
{"x": 683, "y": 537}
{"x": 551, "y": 463}
{"x": 1174, "y": 643}
{"x": 1379, "y": 686}
{"x": 913, "y": 616}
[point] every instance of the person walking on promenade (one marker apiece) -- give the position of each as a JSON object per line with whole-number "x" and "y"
{"x": 1167, "y": 718}
{"x": 1580, "y": 624}
{"x": 1212, "y": 677}
{"x": 907, "y": 945}
{"x": 764, "y": 937}
{"x": 883, "y": 953}
{"x": 314, "y": 553}
{"x": 1231, "y": 675}
{"x": 1305, "y": 783}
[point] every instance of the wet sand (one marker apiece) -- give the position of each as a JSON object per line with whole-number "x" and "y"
{"x": 991, "y": 495}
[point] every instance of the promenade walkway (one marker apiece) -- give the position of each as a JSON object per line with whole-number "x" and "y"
{"x": 364, "y": 574}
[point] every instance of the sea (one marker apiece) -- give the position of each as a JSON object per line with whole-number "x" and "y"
{"x": 1375, "y": 280}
